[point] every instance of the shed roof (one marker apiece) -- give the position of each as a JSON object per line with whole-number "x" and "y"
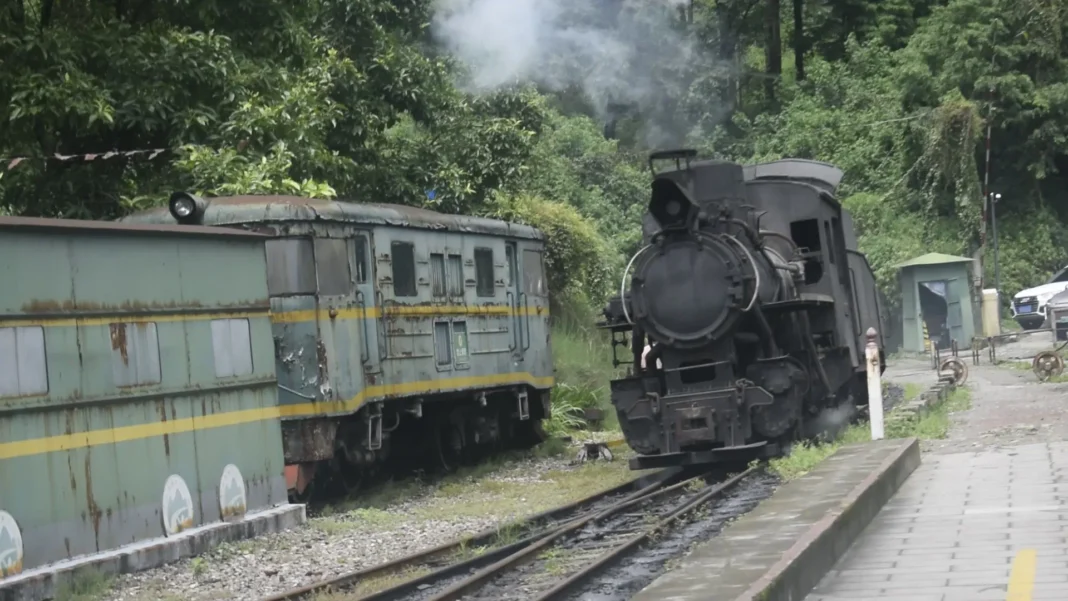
{"x": 933, "y": 259}
{"x": 87, "y": 226}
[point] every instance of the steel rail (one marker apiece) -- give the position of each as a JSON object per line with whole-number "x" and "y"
{"x": 488, "y": 536}
{"x": 530, "y": 551}
{"x": 615, "y": 554}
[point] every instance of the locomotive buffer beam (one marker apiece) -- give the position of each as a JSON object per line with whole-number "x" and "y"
{"x": 725, "y": 456}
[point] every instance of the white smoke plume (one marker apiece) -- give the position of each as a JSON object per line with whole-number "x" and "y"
{"x": 615, "y": 52}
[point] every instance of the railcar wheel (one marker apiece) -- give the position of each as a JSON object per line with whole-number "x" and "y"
{"x": 957, "y": 368}
{"x": 449, "y": 443}
{"x": 1047, "y": 364}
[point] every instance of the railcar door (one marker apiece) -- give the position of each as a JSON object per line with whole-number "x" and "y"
{"x": 954, "y": 315}
{"x": 367, "y": 306}
{"x": 339, "y": 350}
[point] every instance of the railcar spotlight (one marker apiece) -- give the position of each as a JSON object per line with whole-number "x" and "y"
{"x": 187, "y": 208}
{"x": 671, "y": 206}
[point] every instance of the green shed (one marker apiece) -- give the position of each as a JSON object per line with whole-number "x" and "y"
{"x": 936, "y": 292}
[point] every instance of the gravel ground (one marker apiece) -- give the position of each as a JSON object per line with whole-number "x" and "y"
{"x": 350, "y": 537}
{"x": 1009, "y": 406}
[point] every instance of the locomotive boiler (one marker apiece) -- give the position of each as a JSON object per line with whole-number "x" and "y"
{"x": 744, "y": 311}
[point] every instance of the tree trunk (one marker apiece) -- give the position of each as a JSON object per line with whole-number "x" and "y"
{"x": 773, "y": 45}
{"x": 799, "y": 39}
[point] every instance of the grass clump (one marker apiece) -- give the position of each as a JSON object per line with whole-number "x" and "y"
{"x": 928, "y": 425}
{"x": 84, "y": 585}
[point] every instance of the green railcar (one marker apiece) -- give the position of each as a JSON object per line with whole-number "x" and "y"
{"x": 397, "y": 331}
{"x": 137, "y": 385}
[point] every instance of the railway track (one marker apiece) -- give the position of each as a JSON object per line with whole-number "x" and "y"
{"x": 545, "y": 557}
{"x": 380, "y": 582}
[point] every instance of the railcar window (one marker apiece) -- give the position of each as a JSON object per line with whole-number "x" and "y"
{"x": 360, "y": 265}
{"x": 437, "y": 274}
{"x": 290, "y": 267}
{"x": 456, "y": 276}
{"x": 231, "y": 343}
{"x": 484, "y": 271}
{"x": 442, "y": 348}
{"x": 533, "y": 274}
{"x": 332, "y": 261}
{"x": 134, "y": 354}
{"x": 403, "y": 254}
{"x": 23, "y": 365}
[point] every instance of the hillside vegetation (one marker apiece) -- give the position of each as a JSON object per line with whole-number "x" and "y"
{"x": 400, "y": 101}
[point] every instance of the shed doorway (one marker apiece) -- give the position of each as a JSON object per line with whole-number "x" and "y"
{"x": 934, "y": 309}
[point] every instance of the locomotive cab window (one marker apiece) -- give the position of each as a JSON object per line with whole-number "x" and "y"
{"x": 290, "y": 267}
{"x": 533, "y": 274}
{"x": 360, "y": 267}
{"x": 437, "y": 274}
{"x": 484, "y": 271}
{"x": 332, "y": 263}
{"x": 23, "y": 365}
{"x": 403, "y": 255}
{"x": 456, "y": 276}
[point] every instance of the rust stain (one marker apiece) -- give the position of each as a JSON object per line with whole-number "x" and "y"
{"x": 118, "y": 341}
{"x": 94, "y": 509}
{"x": 70, "y": 470}
{"x": 69, "y": 306}
{"x": 161, "y": 406}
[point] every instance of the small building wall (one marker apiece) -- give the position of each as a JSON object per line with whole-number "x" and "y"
{"x": 961, "y": 313}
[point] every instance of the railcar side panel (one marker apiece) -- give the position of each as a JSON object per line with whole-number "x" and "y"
{"x": 142, "y": 399}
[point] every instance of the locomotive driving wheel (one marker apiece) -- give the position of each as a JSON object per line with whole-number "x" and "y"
{"x": 1047, "y": 364}
{"x": 957, "y": 368}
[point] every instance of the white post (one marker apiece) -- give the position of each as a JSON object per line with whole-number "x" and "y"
{"x": 875, "y": 387}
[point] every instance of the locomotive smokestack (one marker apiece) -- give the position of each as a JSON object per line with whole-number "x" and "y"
{"x": 671, "y": 205}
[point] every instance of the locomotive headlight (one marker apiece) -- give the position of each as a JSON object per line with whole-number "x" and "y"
{"x": 671, "y": 206}
{"x": 187, "y": 208}
{"x": 184, "y": 207}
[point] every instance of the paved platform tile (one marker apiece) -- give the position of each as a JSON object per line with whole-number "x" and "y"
{"x": 968, "y": 526}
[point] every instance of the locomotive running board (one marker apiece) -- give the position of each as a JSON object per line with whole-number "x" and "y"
{"x": 741, "y": 454}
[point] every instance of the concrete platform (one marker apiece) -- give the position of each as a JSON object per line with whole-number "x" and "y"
{"x": 781, "y": 549}
{"x": 45, "y": 581}
{"x": 986, "y": 525}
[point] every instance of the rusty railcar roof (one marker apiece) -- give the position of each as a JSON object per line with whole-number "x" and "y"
{"x": 239, "y": 210}
{"x": 54, "y": 225}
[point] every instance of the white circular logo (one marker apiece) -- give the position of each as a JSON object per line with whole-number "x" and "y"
{"x": 177, "y": 505}
{"x": 10, "y": 546}
{"x": 232, "y": 502}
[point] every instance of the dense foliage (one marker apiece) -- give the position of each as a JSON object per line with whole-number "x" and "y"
{"x": 354, "y": 99}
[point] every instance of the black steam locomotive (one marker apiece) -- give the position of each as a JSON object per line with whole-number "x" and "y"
{"x": 746, "y": 313}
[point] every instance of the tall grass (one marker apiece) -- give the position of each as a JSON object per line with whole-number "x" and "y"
{"x": 582, "y": 359}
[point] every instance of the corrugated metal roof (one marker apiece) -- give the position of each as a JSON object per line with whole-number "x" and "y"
{"x": 234, "y": 210}
{"x": 933, "y": 259}
{"x": 89, "y": 226}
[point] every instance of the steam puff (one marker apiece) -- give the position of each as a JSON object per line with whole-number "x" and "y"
{"x": 612, "y": 50}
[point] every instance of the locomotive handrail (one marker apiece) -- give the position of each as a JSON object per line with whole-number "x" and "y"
{"x": 365, "y": 353}
{"x": 383, "y": 350}
{"x": 526, "y": 320}
{"x": 513, "y": 345}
